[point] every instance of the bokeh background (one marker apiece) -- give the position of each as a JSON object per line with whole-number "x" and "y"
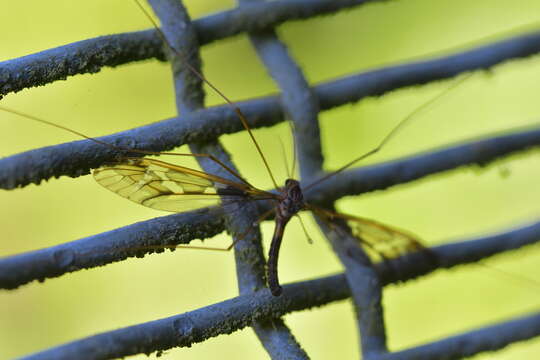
{"x": 452, "y": 205}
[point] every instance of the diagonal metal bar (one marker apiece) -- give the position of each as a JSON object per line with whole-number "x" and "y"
{"x": 179, "y": 31}
{"x": 250, "y": 264}
{"x": 134, "y": 240}
{"x": 365, "y": 287}
{"x": 298, "y": 100}
{"x": 466, "y": 251}
{"x": 89, "y": 56}
{"x": 478, "y": 152}
{"x": 300, "y": 105}
{"x": 78, "y": 157}
{"x": 489, "y": 338}
{"x": 196, "y": 326}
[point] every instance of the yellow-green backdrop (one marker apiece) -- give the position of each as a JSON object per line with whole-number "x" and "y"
{"x": 440, "y": 208}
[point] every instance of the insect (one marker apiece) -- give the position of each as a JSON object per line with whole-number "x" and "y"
{"x": 368, "y": 201}
{"x": 164, "y": 186}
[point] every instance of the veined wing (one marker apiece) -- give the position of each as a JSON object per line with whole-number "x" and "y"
{"x": 381, "y": 242}
{"x": 164, "y": 186}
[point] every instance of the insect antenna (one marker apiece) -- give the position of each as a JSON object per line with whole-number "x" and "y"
{"x": 285, "y": 162}
{"x": 253, "y": 226}
{"x": 229, "y": 102}
{"x": 240, "y": 237}
{"x": 295, "y": 154}
{"x": 392, "y": 133}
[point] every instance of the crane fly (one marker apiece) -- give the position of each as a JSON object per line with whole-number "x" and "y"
{"x": 168, "y": 187}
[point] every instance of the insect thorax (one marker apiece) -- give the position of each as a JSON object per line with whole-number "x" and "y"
{"x": 293, "y": 199}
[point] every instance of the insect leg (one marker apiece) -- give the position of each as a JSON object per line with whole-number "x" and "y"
{"x": 309, "y": 239}
{"x": 250, "y": 229}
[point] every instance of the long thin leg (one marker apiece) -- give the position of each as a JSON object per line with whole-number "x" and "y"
{"x": 309, "y": 239}
{"x": 194, "y": 247}
{"x": 253, "y": 226}
{"x": 121, "y": 148}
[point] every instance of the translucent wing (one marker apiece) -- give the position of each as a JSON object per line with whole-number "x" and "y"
{"x": 169, "y": 187}
{"x": 381, "y": 242}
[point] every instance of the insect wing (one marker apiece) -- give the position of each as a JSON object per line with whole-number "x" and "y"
{"x": 163, "y": 186}
{"x": 381, "y": 242}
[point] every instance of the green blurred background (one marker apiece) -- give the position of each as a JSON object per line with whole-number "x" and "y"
{"x": 453, "y": 205}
